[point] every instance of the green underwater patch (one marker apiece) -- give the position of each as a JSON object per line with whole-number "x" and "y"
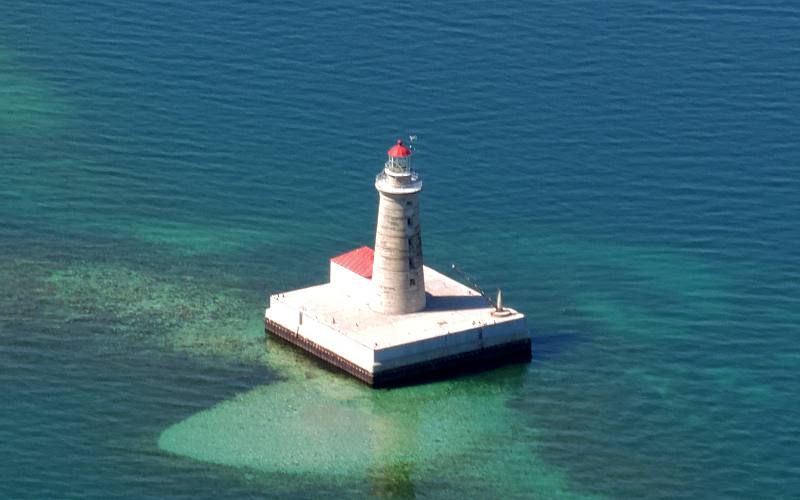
{"x": 324, "y": 425}
{"x": 178, "y": 313}
{"x": 319, "y": 424}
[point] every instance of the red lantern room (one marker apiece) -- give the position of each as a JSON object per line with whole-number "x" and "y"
{"x": 399, "y": 161}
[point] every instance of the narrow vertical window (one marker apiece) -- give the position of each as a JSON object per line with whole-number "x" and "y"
{"x": 413, "y": 282}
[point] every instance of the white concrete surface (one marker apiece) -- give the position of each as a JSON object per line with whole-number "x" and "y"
{"x": 457, "y": 319}
{"x": 350, "y": 283}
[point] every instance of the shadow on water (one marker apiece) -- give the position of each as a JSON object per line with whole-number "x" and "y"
{"x": 553, "y": 345}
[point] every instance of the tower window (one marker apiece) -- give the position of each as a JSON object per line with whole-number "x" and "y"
{"x": 412, "y": 282}
{"x": 409, "y": 220}
{"x": 411, "y": 263}
{"x": 408, "y": 203}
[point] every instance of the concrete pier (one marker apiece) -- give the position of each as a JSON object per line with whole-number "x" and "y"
{"x": 457, "y": 330}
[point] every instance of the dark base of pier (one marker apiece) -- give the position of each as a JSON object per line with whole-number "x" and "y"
{"x": 450, "y": 366}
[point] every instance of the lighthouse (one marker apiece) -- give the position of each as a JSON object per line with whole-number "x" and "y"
{"x": 386, "y": 318}
{"x": 398, "y": 282}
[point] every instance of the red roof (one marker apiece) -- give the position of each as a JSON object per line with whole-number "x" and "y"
{"x": 399, "y": 150}
{"x": 359, "y": 261}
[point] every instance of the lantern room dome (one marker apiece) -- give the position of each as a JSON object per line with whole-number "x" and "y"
{"x": 399, "y": 150}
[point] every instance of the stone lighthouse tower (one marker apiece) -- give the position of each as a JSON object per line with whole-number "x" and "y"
{"x": 397, "y": 277}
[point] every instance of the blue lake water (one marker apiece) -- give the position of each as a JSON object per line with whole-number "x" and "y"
{"x": 626, "y": 172}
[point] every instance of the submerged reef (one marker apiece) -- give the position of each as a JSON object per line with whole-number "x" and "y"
{"x": 178, "y": 313}
{"x": 314, "y": 423}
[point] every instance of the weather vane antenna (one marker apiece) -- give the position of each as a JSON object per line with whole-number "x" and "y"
{"x": 412, "y": 138}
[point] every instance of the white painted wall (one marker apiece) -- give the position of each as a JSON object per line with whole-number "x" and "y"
{"x": 351, "y": 283}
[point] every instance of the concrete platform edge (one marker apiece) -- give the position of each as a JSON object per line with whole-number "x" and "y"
{"x": 317, "y": 350}
{"x": 512, "y": 352}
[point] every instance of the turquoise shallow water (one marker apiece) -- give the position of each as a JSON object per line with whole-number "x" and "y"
{"x": 627, "y": 173}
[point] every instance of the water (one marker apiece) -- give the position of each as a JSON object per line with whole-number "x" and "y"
{"x": 627, "y": 173}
